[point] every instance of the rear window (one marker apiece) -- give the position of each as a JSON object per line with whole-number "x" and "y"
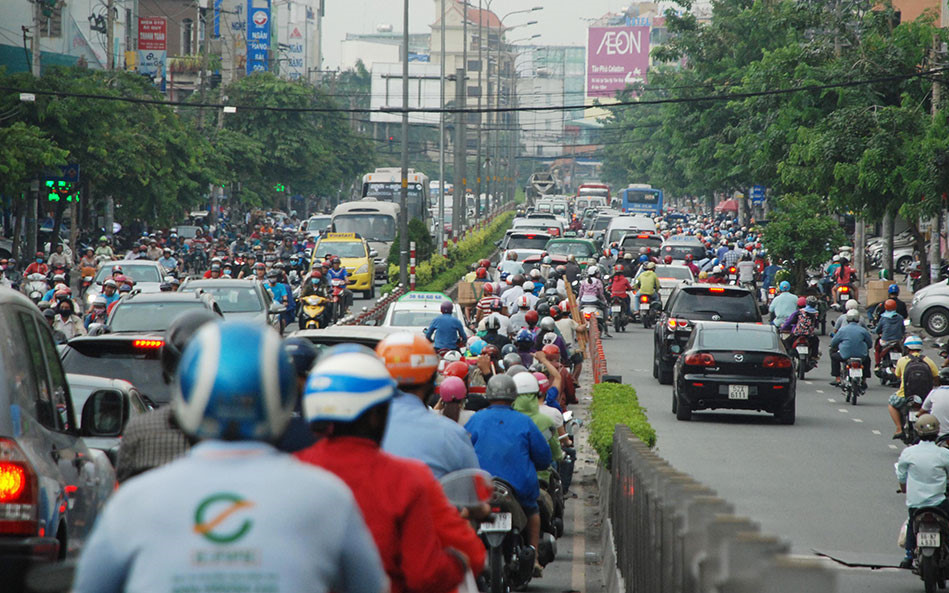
{"x": 407, "y": 318}
{"x": 232, "y": 299}
{"x": 634, "y": 242}
{"x": 675, "y": 272}
{"x": 701, "y": 304}
{"x": 119, "y": 359}
{"x": 601, "y": 223}
{"x": 574, "y": 248}
{"x": 528, "y": 241}
{"x": 680, "y": 251}
{"x": 732, "y": 339}
{"x": 148, "y": 317}
{"x": 138, "y": 273}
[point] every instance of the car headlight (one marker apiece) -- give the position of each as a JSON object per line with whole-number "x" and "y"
{"x": 363, "y": 269}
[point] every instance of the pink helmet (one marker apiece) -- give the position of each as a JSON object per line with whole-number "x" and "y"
{"x": 452, "y": 389}
{"x": 542, "y": 381}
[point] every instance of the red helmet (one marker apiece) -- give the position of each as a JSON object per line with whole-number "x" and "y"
{"x": 565, "y": 306}
{"x": 618, "y": 267}
{"x": 555, "y": 312}
{"x": 485, "y": 263}
{"x": 552, "y": 352}
{"x": 889, "y": 305}
{"x": 668, "y": 259}
{"x": 315, "y": 274}
{"x": 488, "y": 289}
{"x": 801, "y": 301}
{"x": 492, "y": 351}
{"x": 481, "y": 273}
{"x": 688, "y": 257}
{"x": 459, "y": 369}
{"x": 542, "y": 381}
{"x": 531, "y": 317}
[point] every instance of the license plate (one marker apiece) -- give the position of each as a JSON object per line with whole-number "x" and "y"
{"x": 737, "y": 392}
{"x": 856, "y": 373}
{"x": 927, "y": 539}
{"x": 615, "y": 308}
{"x": 802, "y": 350}
{"x": 895, "y": 356}
{"x": 500, "y": 522}
{"x": 844, "y": 296}
{"x": 913, "y": 416}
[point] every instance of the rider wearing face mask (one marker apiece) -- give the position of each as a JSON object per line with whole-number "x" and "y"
{"x": 67, "y": 321}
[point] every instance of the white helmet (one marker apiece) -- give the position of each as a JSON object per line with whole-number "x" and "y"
{"x": 523, "y": 302}
{"x": 526, "y": 384}
{"x": 528, "y": 286}
{"x": 853, "y": 315}
{"x": 344, "y": 385}
{"x": 852, "y": 305}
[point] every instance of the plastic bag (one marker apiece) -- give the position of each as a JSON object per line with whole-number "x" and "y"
{"x": 901, "y": 540}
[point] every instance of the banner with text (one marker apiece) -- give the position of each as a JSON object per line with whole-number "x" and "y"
{"x": 152, "y": 33}
{"x": 616, "y": 57}
{"x": 258, "y": 36}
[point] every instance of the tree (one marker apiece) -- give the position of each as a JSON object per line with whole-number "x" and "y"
{"x": 25, "y": 152}
{"x": 798, "y": 234}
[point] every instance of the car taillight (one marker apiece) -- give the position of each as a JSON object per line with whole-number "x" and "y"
{"x": 673, "y": 323}
{"x": 703, "y": 359}
{"x": 716, "y": 289}
{"x": 148, "y": 344}
{"x": 776, "y": 362}
{"x": 18, "y": 491}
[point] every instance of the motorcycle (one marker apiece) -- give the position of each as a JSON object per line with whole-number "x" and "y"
{"x": 648, "y": 309}
{"x": 571, "y": 426}
{"x": 314, "y": 312}
{"x": 889, "y": 354}
{"x": 806, "y": 360}
{"x": 731, "y": 276}
{"x": 510, "y": 565}
{"x": 35, "y": 287}
{"x": 910, "y": 413}
{"x": 618, "y": 308}
{"x": 592, "y": 311}
{"x": 843, "y": 295}
{"x": 931, "y": 556}
{"x": 338, "y": 298}
{"x": 852, "y": 384}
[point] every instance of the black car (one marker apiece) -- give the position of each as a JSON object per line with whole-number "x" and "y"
{"x": 736, "y": 366}
{"x": 697, "y": 302}
{"x": 132, "y": 357}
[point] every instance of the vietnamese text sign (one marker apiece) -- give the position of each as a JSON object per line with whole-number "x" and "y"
{"x": 152, "y": 33}
{"x": 616, "y": 57}
{"x": 258, "y": 36}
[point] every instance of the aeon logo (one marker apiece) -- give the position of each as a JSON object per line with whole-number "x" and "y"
{"x": 617, "y": 43}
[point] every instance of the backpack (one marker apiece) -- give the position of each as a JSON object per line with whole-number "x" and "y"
{"x": 805, "y": 324}
{"x": 917, "y": 377}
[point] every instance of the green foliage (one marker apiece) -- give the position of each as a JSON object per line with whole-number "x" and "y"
{"x": 797, "y": 233}
{"x": 615, "y": 404}
{"x": 424, "y": 243}
{"x": 25, "y": 151}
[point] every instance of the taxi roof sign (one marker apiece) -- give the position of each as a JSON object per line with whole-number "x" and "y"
{"x": 341, "y": 237}
{"x": 424, "y": 297}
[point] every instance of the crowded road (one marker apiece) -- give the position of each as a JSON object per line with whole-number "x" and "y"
{"x": 825, "y": 484}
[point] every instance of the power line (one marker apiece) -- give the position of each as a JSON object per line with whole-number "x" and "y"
{"x": 435, "y": 110}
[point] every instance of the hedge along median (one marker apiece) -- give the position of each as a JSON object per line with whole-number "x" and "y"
{"x": 616, "y": 404}
{"x": 440, "y": 273}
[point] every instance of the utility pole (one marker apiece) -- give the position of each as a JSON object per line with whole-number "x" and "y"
{"x": 480, "y": 164}
{"x": 110, "y": 64}
{"x": 458, "y": 201}
{"x": 37, "y": 24}
{"x": 441, "y": 138}
{"x": 404, "y": 200}
{"x": 463, "y": 172}
{"x": 497, "y": 121}
{"x": 935, "y": 244}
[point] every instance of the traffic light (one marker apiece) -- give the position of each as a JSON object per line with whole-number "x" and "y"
{"x": 56, "y": 190}
{"x": 280, "y": 187}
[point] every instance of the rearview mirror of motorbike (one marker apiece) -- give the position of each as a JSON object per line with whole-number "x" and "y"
{"x": 467, "y": 487}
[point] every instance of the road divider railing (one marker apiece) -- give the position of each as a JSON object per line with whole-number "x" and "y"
{"x": 376, "y": 312}
{"x": 665, "y": 532}
{"x": 595, "y": 351}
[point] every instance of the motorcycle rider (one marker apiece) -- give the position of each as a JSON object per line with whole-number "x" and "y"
{"x": 647, "y": 283}
{"x": 572, "y": 269}
{"x": 97, "y": 313}
{"x": 313, "y": 285}
{"x": 247, "y": 269}
{"x": 851, "y": 305}
{"x": 783, "y": 305}
{"x": 893, "y": 293}
{"x": 167, "y": 261}
{"x": 67, "y": 321}
{"x": 278, "y": 291}
{"x": 850, "y": 341}
{"x": 160, "y": 531}
{"x": 493, "y": 334}
{"x": 913, "y": 382}
{"x": 889, "y": 329}
{"x": 746, "y": 271}
{"x": 922, "y": 472}
{"x": 803, "y": 322}
{"x": 843, "y": 276}
{"x": 38, "y": 266}
{"x": 510, "y": 446}
{"x": 337, "y": 272}
{"x": 937, "y": 403}
{"x": 347, "y": 400}
{"x": 59, "y": 260}
{"x": 511, "y": 265}
{"x": 620, "y": 287}
{"x": 446, "y": 331}
{"x": 413, "y": 431}
{"x": 689, "y": 263}
{"x": 104, "y": 250}
{"x": 591, "y": 292}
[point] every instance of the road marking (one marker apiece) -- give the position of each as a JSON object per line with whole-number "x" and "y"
{"x": 843, "y": 410}
{"x": 877, "y": 432}
{"x": 808, "y": 382}
{"x": 820, "y": 391}
{"x": 892, "y": 446}
{"x": 831, "y": 400}
{"x": 856, "y": 420}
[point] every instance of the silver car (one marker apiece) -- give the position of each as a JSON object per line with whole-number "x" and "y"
{"x": 930, "y": 309}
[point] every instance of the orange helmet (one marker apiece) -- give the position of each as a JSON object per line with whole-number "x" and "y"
{"x": 409, "y": 358}
{"x": 552, "y": 352}
{"x": 459, "y": 369}
{"x": 889, "y": 305}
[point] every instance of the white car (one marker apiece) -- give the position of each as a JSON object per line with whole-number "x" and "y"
{"x": 524, "y": 243}
{"x": 415, "y": 311}
{"x": 146, "y": 273}
{"x": 670, "y": 278}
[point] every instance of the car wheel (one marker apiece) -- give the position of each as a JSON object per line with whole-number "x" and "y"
{"x": 683, "y": 411}
{"x": 655, "y": 362}
{"x": 665, "y": 374}
{"x": 371, "y": 293}
{"x": 787, "y": 415}
{"x": 936, "y": 322}
{"x": 903, "y": 264}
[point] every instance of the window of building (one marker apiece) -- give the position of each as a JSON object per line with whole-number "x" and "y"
{"x": 187, "y": 33}
{"x": 52, "y": 25}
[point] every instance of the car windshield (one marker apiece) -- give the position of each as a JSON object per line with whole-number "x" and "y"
{"x": 319, "y": 223}
{"x": 675, "y": 272}
{"x": 232, "y": 299}
{"x": 543, "y": 208}
{"x": 527, "y": 241}
{"x": 575, "y": 248}
{"x": 372, "y": 227}
{"x": 409, "y": 318}
{"x": 680, "y": 251}
{"x": 142, "y": 369}
{"x": 138, "y": 273}
{"x": 729, "y": 305}
{"x": 735, "y": 339}
{"x": 340, "y": 249}
{"x": 601, "y": 223}
{"x": 148, "y": 317}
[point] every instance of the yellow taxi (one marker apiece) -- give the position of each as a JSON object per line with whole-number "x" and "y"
{"x": 354, "y": 255}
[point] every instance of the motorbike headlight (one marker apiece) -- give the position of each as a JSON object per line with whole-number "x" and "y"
{"x": 363, "y": 269}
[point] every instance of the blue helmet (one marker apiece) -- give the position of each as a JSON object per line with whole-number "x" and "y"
{"x": 302, "y": 354}
{"x": 477, "y": 346}
{"x": 524, "y": 335}
{"x": 643, "y": 259}
{"x": 235, "y": 382}
{"x": 784, "y": 286}
{"x": 893, "y": 290}
{"x": 344, "y": 385}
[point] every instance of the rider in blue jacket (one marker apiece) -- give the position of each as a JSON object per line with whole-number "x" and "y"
{"x": 446, "y": 331}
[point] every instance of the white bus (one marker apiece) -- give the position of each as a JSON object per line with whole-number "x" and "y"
{"x": 385, "y": 184}
{"x": 374, "y": 220}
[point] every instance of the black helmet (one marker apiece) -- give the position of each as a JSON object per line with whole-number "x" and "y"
{"x": 501, "y": 388}
{"x": 177, "y": 336}
{"x": 302, "y": 353}
{"x": 543, "y": 309}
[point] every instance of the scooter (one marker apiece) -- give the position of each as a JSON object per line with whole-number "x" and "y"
{"x": 338, "y": 298}
{"x": 592, "y": 311}
{"x": 806, "y": 360}
{"x": 618, "y": 308}
{"x": 910, "y": 413}
{"x": 843, "y": 295}
{"x": 35, "y": 287}
{"x": 931, "y": 555}
{"x": 889, "y": 355}
{"x": 852, "y": 384}
{"x": 731, "y": 276}
{"x": 648, "y": 310}
{"x": 510, "y": 565}
{"x": 314, "y": 312}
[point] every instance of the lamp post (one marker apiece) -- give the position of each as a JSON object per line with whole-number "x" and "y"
{"x": 514, "y": 134}
{"x": 404, "y": 199}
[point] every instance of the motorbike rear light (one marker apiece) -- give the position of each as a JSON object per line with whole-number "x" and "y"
{"x": 856, "y": 364}
{"x": 772, "y": 290}
{"x": 697, "y": 384}
{"x": 776, "y": 362}
{"x": 716, "y": 289}
{"x": 644, "y": 299}
{"x": 587, "y": 315}
{"x": 732, "y": 270}
{"x": 702, "y": 359}
{"x": 148, "y": 344}
{"x": 844, "y": 289}
{"x": 18, "y": 491}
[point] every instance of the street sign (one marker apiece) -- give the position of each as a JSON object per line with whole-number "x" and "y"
{"x": 757, "y": 194}
{"x": 258, "y": 36}
{"x": 68, "y": 173}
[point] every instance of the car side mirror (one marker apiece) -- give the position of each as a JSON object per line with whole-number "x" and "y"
{"x": 373, "y": 253}
{"x": 104, "y": 414}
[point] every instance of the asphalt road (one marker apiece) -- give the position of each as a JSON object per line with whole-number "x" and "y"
{"x": 827, "y": 483}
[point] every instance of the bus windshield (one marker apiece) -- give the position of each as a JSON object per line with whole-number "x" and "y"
{"x": 372, "y": 227}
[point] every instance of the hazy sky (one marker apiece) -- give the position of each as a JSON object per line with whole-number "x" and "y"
{"x": 561, "y": 22}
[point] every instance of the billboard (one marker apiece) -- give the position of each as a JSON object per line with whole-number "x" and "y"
{"x": 258, "y": 36}
{"x": 152, "y": 33}
{"x": 616, "y": 57}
